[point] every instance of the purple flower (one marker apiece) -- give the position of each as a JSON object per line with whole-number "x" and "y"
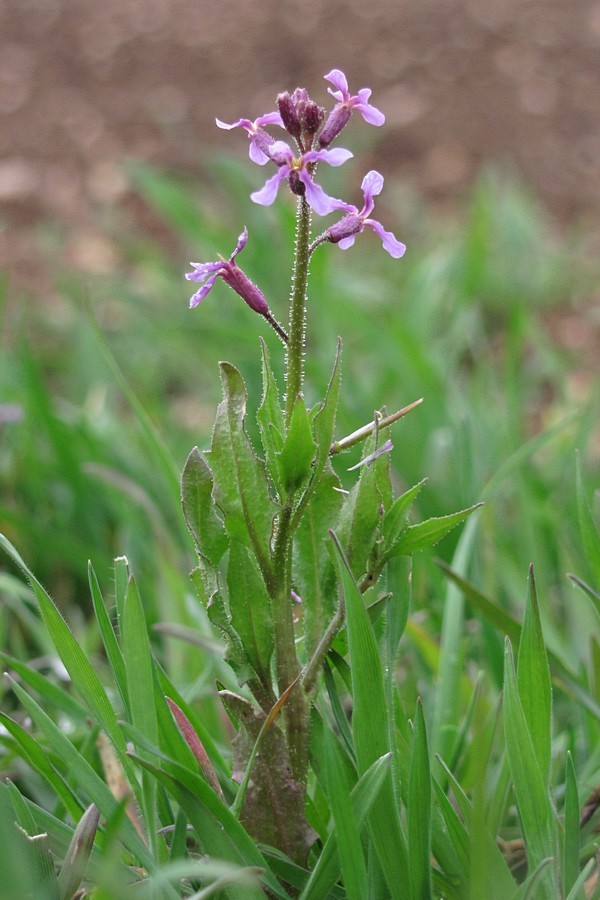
{"x": 260, "y": 141}
{"x": 345, "y": 231}
{"x": 341, "y": 113}
{"x": 231, "y": 275}
{"x": 296, "y": 170}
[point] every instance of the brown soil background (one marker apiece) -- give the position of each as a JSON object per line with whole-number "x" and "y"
{"x": 85, "y": 84}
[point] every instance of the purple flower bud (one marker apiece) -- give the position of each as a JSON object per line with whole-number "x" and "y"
{"x": 338, "y": 118}
{"x": 301, "y": 116}
{"x": 207, "y": 273}
{"x": 289, "y": 114}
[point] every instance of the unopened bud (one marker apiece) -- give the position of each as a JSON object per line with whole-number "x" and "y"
{"x": 338, "y": 118}
{"x": 289, "y": 114}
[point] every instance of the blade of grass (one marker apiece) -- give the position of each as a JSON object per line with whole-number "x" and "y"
{"x": 536, "y": 812}
{"x": 370, "y": 727}
{"x": 419, "y": 811}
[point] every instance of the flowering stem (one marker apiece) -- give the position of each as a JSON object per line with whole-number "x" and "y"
{"x": 295, "y": 354}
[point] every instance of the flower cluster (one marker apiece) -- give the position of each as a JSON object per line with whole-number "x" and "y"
{"x": 312, "y": 133}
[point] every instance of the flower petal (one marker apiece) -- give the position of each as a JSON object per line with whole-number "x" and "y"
{"x": 346, "y": 242}
{"x": 241, "y": 243}
{"x": 256, "y": 154}
{"x": 203, "y": 270}
{"x": 241, "y": 123}
{"x": 370, "y": 113}
{"x": 334, "y": 157}
{"x": 267, "y": 194}
{"x": 272, "y": 118}
{"x": 372, "y": 184}
{"x": 316, "y": 197}
{"x": 337, "y": 78}
{"x": 394, "y": 247}
{"x": 204, "y": 290}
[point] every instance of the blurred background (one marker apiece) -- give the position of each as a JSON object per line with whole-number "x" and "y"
{"x": 85, "y": 85}
{"x": 113, "y": 175}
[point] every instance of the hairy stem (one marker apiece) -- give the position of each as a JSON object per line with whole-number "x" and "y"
{"x": 288, "y": 666}
{"x": 295, "y": 354}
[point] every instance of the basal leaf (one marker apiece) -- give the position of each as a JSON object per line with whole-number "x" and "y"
{"x": 241, "y": 488}
{"x": 313, "y": 573}
{"x": 250, "y": 609}
{"x": 270, "y": 418}
{"x": 205, "y": 525}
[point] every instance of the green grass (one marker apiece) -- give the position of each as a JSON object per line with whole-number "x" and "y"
{"x": 112, "y": 399}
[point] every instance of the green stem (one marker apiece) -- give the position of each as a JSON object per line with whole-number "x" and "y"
{"x": 295, "y": 354}
{"x": 288, "y": 667}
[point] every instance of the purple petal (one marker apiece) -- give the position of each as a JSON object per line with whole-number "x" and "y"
{"x": 337, "y": 78}
{"x": 204, "y": 290}
{"x": 372, "y": 183}
{"x": 316, "y": 197}
{"x": 281, "y": 153}
{"x": 346, "y": 242}
{"x": 334, "y": 157}
{"x": 241, "y": 123}
{"x": 272, "y": 118}
{"x": 203, "y": 270}
{"x": 241, "y": 243}
{"x": 267, "y": 194}
{"x": 256, "y": 154}
{"x": 385, "y": 448}
{"x": 370, "y": 113}
{"x": 394, "y": 247}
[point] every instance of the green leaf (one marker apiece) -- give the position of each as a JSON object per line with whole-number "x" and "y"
{"x": 76, "y": 861}
{"x": 81, "y": 772}
{"x": 138, "y": 665}
{"x": 270, "y": 418}
{"x": 350, "y": 851}
{"x": 534, "y": 684}
{"x": 419, "y": 811}
{"x": 535, "y": 809}
{"x": 362, "y": 512}
{"x": 204, "y": 524}
{"x": 571, "y": 836}
{"x": 370, "y": 725}
{"x": 109, "y": 639}
{"x": 80, "y": 669}
{"x": 363, "y": 795}
{"x": 395, "y": 521}
{"x": 589, "y": 533}
{"x": 250, "y": 609}
{"x": 324, "y": 417}
{"x": 218, "y": 831}
{"x": 298, "y": 450}
{"x": 38, "y": 759}
{"x": 313, "y": 572}
{"x": 428, "y": 533}
{"x": 241, "y": 488}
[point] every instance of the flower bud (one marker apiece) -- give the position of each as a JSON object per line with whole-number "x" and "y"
{"x": 338, "y": 118}
{"x": 289, "y": 114}
{"x": 296, "y": 185}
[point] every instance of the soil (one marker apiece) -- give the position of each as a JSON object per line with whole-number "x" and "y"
{"x": 84, "y": 85}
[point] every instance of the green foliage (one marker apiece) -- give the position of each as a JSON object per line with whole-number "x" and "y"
{"x": 481, "y": 794}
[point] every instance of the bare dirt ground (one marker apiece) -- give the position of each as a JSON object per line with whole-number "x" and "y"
{"x": 85, "y": 84}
